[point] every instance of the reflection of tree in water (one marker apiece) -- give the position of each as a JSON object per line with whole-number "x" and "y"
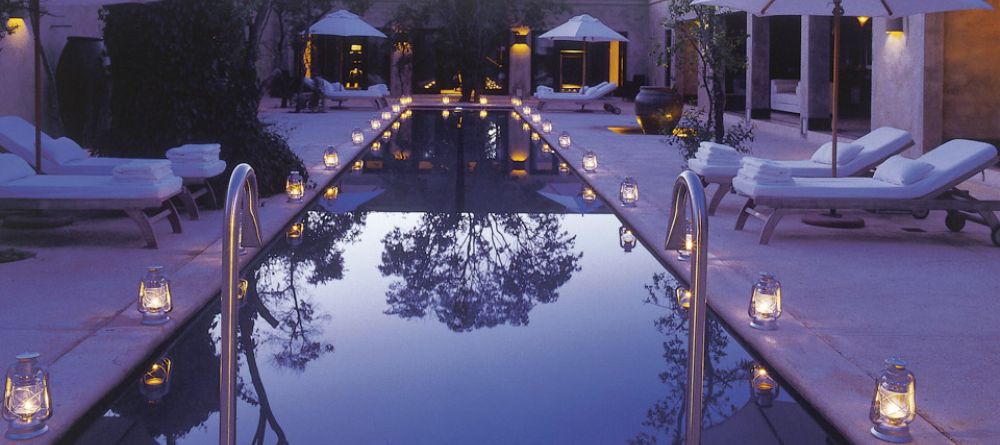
{"x": 666, "y": 417}
{"x": 317, "y": 259}
{"x": 477, "y": 270}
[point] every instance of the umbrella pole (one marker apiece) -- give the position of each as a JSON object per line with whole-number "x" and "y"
{"x": 584, "y": 81}
{"x": 36, "y": 19}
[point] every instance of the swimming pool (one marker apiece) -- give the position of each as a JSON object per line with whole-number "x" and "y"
{"x": 457, "y": 286}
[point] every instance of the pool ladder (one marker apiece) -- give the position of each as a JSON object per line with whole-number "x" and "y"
{"x": 688, "y": 187}
{"x": 242, "y": 202}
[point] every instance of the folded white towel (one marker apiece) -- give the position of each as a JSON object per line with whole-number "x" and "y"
{"x": 718, "y": 149}
{"x": 765, "y": 165}
{"x": 717, "y": 158}
{"x": 195, "y": 148}
{"x": 194, "y": 153}
{"x": 144, "y": 171}
{"x": 764, "y": 179}
{"x": 753, "y": 171}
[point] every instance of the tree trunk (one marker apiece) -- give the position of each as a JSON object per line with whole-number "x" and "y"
{"x": 719, "y": 107}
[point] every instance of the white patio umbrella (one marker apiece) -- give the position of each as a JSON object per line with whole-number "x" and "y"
{"x": 344, "y": 24}
{"x": 838, "y": 9}
{"x": 584, "y": 28}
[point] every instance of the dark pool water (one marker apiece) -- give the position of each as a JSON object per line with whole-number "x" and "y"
{"x": 456, "y": 291}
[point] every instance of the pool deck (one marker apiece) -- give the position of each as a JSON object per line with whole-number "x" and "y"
{"x": 75, "y": 302}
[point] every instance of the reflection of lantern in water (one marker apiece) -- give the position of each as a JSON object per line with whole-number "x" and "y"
{"x": 683, "y": 297}
{"x": 396, "y": 125}
{"x": 386, "y": 115}
{"x": 546, "y": 148}
{"x": 547, "y": 127}
{"x": 295, "y": 187}
{"x": 588, "y": 194}
{"x": 590, "y": 162}
{"x": 376, "y": 146}
{"x": 563, "y": 167}
{"x": 445, "y": 100}
{"x": 514, "y": 115}
{"x": 483, "y": 100}
{"x": 684, "y": 253}
{"x": 396, "y": 108}
{"x": 374, "y": 123}
{"x": 155, "y": 382}
{"x": 894, "y": 404}
{"x": 628, "y": 193}
{"x": 565, "y": 141}
{"x": 626, "y": 239}
{"x": 27, "y": 403}
{"x": 525, "y": 127}
{"x": 526, "y": 110}
{"x": 331, "y": 158}
{"x": 331, "y": 192}
{"x": 535, "y": 137}
{"x": 242, "y": 288}
{"x": 387, "y": 135}
{"x": 765, "y": 302}
{"x": 357, "y": 136}
{"x": 294, "y": 233}
{"x": 445, "y": 114}
{"x": 763, "y": 388}
{"x": 155, "y": 300}
{"x": 358, "y": 165}
{"x": 483, "y": 114}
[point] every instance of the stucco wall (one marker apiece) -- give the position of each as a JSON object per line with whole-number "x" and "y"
{"x": 897, "y": 77}
{"x": 971, "y": 93}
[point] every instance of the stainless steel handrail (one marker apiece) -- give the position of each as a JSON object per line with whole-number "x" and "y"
{"x": 689, "y": 187}
{"x": 241, "y": 211}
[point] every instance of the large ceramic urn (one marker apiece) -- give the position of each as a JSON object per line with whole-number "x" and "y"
{"x": 658, "y": 109}
{"x": 84, "y": 89}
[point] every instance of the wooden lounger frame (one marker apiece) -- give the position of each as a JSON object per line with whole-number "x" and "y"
{"x": 959, "y": 204}
{"x": 144, "y": 212}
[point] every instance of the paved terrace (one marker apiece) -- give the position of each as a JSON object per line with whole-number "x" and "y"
{"x": 74, "y": 302}
{"x": 851, "y": 297}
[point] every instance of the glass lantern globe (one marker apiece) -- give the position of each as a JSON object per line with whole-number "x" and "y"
{"x": 483, "y": 100}
{"x": 27, "y": 403}
{"x": 386, "y": 135}
{"x": 155, "y": 382}
{"x": 295, "y": 187}
{"x": 386, "y": 115}
{"x": 535, "y": 137}
{"x": 894, "y": 404}
{"x": 564, "y": 140}
{"x": 331, "y": 193}
{"x": 588, "y": 194}
{"x": 765, "y": 302}
{"x": 526, "y": 110}
{"x": 155, "y": 300}
{"x": 628, "y": 192}
{"x": 626, "y": 239}
{"x": 763, "y": 388}
{"x": 396, "y": 125}
{"x": 331, "y": 158}
{"x": 358, "y": 165}
{"x": 563, "y": 167}
{"x": 547, "y": 127}
{"x": 445, "y": 100}
{"x": 376, "y": 146}
{"x": 396, "y": 108}
{"x": 357, "y": 136}
{"x": 536, "y": 119}
{"x": 684, "y": 253}
{"x": 374, "y": 123}
{"x": 525, "y": 127}
{"x": 590, "y": 162}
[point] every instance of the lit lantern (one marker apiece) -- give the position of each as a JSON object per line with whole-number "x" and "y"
{"x": 27, "y": 403}
{"x": 546, "y": 148}
{"x": 295, "y": 187}
{"x": 514, "y": 115}
{"x": 765, "y": 302}
{"x": 387, "y": 135}
{"x": 547, "y": 127}
{"x": 155, "y": 300}
{"x": 357, "y": 136}
{"x": 374, "y": 123}
{"x": 331, "y": 192}
{"x": 564, "y": 140}
{"x": 763, "y": 388}
{"x": 515, "y": 102}
{"x": 536, "y": 119}
{"x": 683, "y": 297}
{"x": 483, "y": 114}
{"x": 894, "y": 404}
{"x": 155, "y": 382}
{"x": 563, "y": 167}
{"x": 535, "y": 137}
{"x": 358, "y": 165}
{"x": 386, "y": 115}
{"x": 331, "y": 158}
{"x": 376, "y": 146}
{"x": 396, "y": 108}
{"x": 525, "y": 127}
{"x": 396, "y": 125}
{"x": 628, "y": 193}
{"x": 588, "y": 194}
{"x": 294, "y": 233}
{"x": 406, "y": 100}
{"x": 684, "y": 253}
{"x": 483, "y": 100}
{"x": 445, "y": 100}
{"x": 626, "y": 239}
{"x": 526, "y": 110}
{"x": 590, "y": 162}
{"x": 445, "y": 114}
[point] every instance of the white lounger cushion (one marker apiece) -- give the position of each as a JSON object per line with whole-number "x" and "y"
{"x": 951, "y": 161}
{"x": 846, "y": 152}
{"x": 48, "y": 187}
{"x": 64, "y": 150}
{"x": 12, "y": 167}
{"x": 902, "y": 171}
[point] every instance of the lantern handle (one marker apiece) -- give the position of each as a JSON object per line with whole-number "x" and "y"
{"x": 242, "y": 202}
{"x": 689, "y": 188}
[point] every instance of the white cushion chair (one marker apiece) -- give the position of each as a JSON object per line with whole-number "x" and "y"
{"x": 336, "y": 92}
{"x": 785, "y": 95}
{"x": 143, "y": 191}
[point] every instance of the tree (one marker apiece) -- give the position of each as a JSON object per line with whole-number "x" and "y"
{"x": 703, "y": 30}
{"x": 472, "y": 30}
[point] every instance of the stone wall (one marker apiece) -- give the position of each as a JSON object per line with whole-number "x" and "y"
{"x": 971, "y": 94}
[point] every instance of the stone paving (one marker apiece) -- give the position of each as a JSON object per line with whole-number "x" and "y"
{"x": 852, "y": 297}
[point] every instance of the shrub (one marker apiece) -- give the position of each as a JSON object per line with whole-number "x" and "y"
{"x": 182, "y": 73}
{"x": 693, "y": 129}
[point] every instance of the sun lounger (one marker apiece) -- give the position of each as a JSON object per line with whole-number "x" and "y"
{"x": 64, "y": 157}
{"x": 928, "y": 183}
{"x": 858, "y": 157}
{"x": 587, "y": 95}
{"x": 146, "y": 202}
{"x": 337, "y": 93}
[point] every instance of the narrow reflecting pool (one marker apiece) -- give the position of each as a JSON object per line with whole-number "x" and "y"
{"x": 457, "y": 288}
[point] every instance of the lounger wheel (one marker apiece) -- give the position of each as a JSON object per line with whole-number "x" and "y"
{"x": 921, "y": 214}
{"x": 956, "y": 222}
{"x": 612, "y": 109}
{"x": 995, "y": 236}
